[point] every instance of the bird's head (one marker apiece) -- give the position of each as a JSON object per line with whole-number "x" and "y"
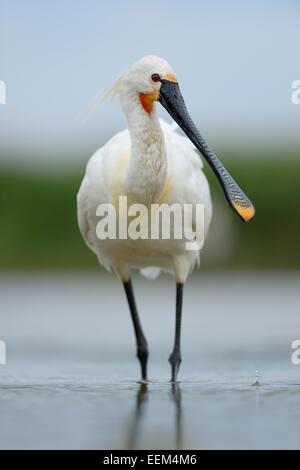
{"x": 152, "y": 79}
{"x": 143, "y": 80}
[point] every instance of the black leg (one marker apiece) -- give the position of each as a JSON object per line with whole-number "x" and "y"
{"x": 175, "y": 357}
{"x": 141, "y": 342}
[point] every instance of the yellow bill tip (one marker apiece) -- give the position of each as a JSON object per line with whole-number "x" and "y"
{"x": 245, "y": 212}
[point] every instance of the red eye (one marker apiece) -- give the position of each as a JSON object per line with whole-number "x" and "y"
{"x": 155, "y": 77}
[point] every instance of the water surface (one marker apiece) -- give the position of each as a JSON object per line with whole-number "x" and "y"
{"x": 71, "y": 375}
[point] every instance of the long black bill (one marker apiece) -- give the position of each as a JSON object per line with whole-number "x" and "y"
{"x": 171, "y": 99}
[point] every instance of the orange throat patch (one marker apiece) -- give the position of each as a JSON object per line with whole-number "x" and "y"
{"x": 147, "y": 100}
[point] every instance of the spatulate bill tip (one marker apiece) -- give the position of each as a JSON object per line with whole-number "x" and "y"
{"x": 246, "y": 212}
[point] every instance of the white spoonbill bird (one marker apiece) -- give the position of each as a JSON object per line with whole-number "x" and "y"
{"x": 151, "y": 164}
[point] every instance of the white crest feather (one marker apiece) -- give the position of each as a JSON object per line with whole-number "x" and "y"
{"x": 112, "y": 89}
{"x": 109, "y": 92}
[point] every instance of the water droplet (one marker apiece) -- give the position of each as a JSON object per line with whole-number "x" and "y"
{"x": 257, "y": 382}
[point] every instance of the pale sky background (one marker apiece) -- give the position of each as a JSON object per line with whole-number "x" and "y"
{"x": 235, "y": 61}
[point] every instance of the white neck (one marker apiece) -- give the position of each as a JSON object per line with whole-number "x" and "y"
{"x": 147, "y": 168}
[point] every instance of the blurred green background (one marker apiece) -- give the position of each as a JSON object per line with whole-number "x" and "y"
{"x": 39, "y": 227}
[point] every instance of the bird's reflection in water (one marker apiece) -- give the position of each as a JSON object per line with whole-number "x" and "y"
{"x": 142, "y": 397}
{"x": 176, "y": 398}
{"x": 139, "y": 411}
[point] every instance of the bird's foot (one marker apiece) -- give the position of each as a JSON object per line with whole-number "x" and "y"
{"x": 175, "y": 361}
{"x": 142, "y": 354}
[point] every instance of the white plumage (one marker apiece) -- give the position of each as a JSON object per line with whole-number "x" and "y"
{"x": 183, "y": 182}
{"x": 149, "y": 163}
